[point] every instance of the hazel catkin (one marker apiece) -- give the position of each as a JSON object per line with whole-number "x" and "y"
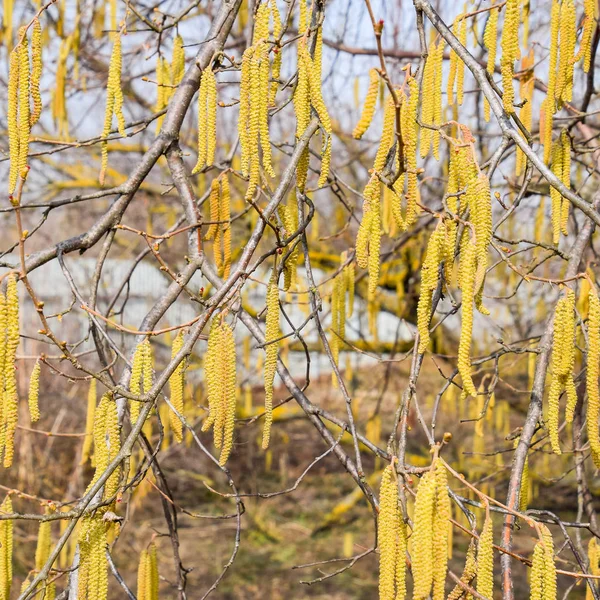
{"x": 369, "y": 106}
{"x": 592, "y": 374}
{"x": 34, "y": 392}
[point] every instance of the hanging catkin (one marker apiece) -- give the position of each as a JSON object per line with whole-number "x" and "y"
{"x": 220, "y": 375}
{"x": 549, "y": 105}
{"x": 141, "y": 376}
{"x": 42, "y": 553}
{"x": 485, "y": 560}
{"x": 460, "y": 66}
{"x": 13, "y": 119}
{"x": 467, "y": 285}
{"x": 422, "y": 537}
{"x": 88, "y": 440}
{"x": 429, "y": 282}
{"x": 92, "y": 573}
{"x": 589, "y": 25}
{"x": 468, "y": 573}
{"x": 510, "y": 52}
{"x": 177, "y": 62}
{"x": 147, "y": 577}
{"x": 592, "y": 374}
{"x": 114, "y": 103}
{"x": 563, "y": 358}
{"x": 272, "y": 333}
{"x": 9, "y": 400}
{"x": 568, "y": 37}
{"x": 34, "y": 393}
{"x": 391, "y": 538}
{"x": 543, "y": 569}
{"x": 176, "y": 384}
{"x": 369, "y": 106}
{"x": 593, "y": 554}
{"x": 6, "y": 550}
{"x": 526, "y": 87}
{"x": 490, "y": 38}
{"x": 441, "y": 530}
{"x": 36, "y": 71}
{"x": 24, "y": 115}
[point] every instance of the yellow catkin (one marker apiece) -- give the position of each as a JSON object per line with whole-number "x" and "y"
{"x": 526, "y": 87}
{"x": 225, "y": 218}
{"x": 437, "y": 96}
{"x": 427, "y": 100}
{"x": 147, "y": 576}
{"x": 410, "y": 132}
{"x": 135, "y": 382}
{"x": 207, "y": 119}
{"x": 92, "y": 572}
{"x": 272, "y": 333}
{"x": 114, "y": 102}
{"x": 6, "y": 550}
{"x": 10, "y": 408}
{"x": 468, "y": 573}
{"x": 589, "y": 25}
{"x": 36, "y": 71}
{"x": 460, "y": 67}
{"x": 565, "y": 177}
{"x": 302, "y": 110}
{"x": 485, "y": 560}
{"x": 142, "y": 576}
{"x": 568, "y": 35}
{"x": 176, "y": 385}
{"x": 543, "y": 570}
{"x": 563, "y": 359}
{"x": 177, "y": 61}
{"x": 392, "y": 577}
{"x": 88, "y": 440}
{"x": 441, "y": 530}
{"x": 244, "y": 115}
{"x": 277, "y": 50}
{"x": 34, "y": 393}
{"x": 12, "y": 119}
{"x": 468, "y": 267}
{"x": 24, "y": 116}
{"x": 422, "y": 537}
{"x": 549, "y": 106}
{"x": 593, "y": 554}
{"x": 524, "y": 487}
{"x": 510, "y": 52}
{"x": 42, "y": 553}
{"x": 429, "y": 282}
{"x": 555, "y": 196}
{"x": 229, "y": 383}
{"x": 220, "y": 375}
{"x": 490, "y": 37}
{"x": 592, "y": 374}
{"x": 480, "y": 204}
{"x": 369, "y": 106}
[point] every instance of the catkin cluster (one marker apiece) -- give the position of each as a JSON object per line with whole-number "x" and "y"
{"x": 176, "y": 385}
{"x": 220, "y": 375}
{"x": 430, "y": 534}
{"x": 485, "y": 560}
{"x": 430, "y": 271}
{"x": 141, "y": 376}
{"x": 543, "y": 569}
{"x": 272, "y": 334}
{"x": 42, "y": 553}
{"x": 114, "y": 103}
{"x": 592, "y": 374}
{"x": 253, "y": 122}
{"x": 168, "y": 77}
{"x": 391, "y": 538}
{"x": 219, "y": 229}
{"x": 561, "y": 167}
{"x": 431, "y": 104}
{"x": 88, "y": 440}
{"x": 308, "y": 94}
{"x": 6, "y": 550}
{"x": 23, "y": 86}
{"x": 34, "y": 393}
{"x": 107, "y": 443}
{"x": 510, "y": 52}
{"x": 147, "y": 575}
{"x": 563, "y": 360}
{"x": 369, "y": 106}
{"x": 92, "y": 573}
{"x": 490, "y": 39}
{"x": 207, "y": 120}
{"x": 9, "y": 341}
